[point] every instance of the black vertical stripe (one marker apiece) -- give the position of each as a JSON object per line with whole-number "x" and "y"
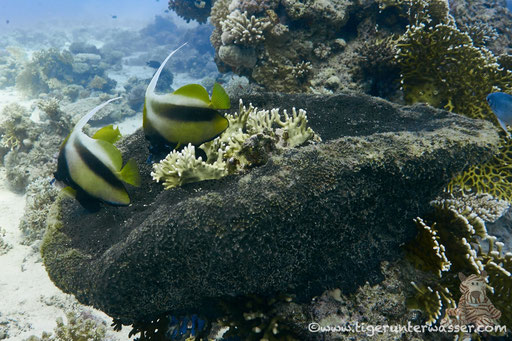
{"x": 97, "y": 167}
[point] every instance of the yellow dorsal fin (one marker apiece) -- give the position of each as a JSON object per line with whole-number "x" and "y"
{"x": 195, "y": 91}
{"x": 220, "y": 99}
{"x": 108, "y": 134}
{"x": 113, "y": 153}
{"x": 130, "y": 173}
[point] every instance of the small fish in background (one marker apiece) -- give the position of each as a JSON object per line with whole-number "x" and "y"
{"x": 153, "y": 64}
{"x": 7, "y": 21}
{"x": 501, "y": 105}
{"x": 92, "y": 167}
{"x": 166, "y": 11}
{"x": 187, "y": 115}
{"x": 114, "y": 17}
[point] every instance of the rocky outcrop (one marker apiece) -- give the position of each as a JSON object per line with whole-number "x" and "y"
{"x": 312, "y": 218}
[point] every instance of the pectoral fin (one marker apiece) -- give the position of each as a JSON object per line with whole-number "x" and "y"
{"x": 220, "y": 99}
{"x": 504, "y": 126}
{"x": 69, "y": 191}
{"x": 108, "y": 134}
{"x": 130, "y": 173}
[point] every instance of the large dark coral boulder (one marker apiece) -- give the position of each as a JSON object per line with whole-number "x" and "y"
{"x": 312, "y": 218}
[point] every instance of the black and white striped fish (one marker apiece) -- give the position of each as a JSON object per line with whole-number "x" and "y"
{"x": 187, "y": 115}
{"x": 92, "y": 167}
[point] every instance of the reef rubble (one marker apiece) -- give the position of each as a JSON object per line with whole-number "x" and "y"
{"x": 317, "y": 217}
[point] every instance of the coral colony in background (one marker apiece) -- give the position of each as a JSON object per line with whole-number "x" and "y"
{"x": 338, "y": 179}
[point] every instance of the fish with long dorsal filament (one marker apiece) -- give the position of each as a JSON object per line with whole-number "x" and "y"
{"x": 187, "y": 115}
{"x": 501, "y": 105}
{"x": 92, "y": 167}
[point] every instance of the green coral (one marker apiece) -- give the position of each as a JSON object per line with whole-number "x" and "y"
{"x": 252, "y": 134}
{"x": 78, "y": 328}
{"x": 420, "y": 12}
{"x": 444, "y": 67}
{"x": 441, "y": 66}
{"x": 492, "y": 177}
{"x": 456, "y": 242}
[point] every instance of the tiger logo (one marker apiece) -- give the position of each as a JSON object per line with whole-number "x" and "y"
{"x": 474, "y": 306}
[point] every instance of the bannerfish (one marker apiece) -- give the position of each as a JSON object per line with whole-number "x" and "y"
{"x": 114, "y": 17}
{"x": 92, "y": 167}
{"x": 501, "y": 105}
{"x": 187, "y": 115}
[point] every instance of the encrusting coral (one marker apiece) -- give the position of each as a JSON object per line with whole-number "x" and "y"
{"x": 252, "y": 134}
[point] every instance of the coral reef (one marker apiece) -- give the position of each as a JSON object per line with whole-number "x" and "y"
{"x": 16, "y": 128}
{"x": 248, "y": 141}
{"x": 4, "y": 246}
{"x": 328, "y": 36}
{"x": 51, "y": 70}
{"x": 181, "y": 167}
{"x": 10, "y": 61}
{"x": 238, "y": 29}
{"x": 79, "y": 327}
{"x": 457, "y": 241}
{"x": 491, "y": 14}
{"x": 442, "y": 66}
{"x": 266, "y": 42}
{"x": 359, "y": 189}
{"x": 40, "y": 195}
{"x": 198, "y": 10}
{"x": 31, "y": 146}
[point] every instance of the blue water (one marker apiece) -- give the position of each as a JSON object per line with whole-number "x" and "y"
{"x": 34, "y": 13}
{"x": 509, "y": 4}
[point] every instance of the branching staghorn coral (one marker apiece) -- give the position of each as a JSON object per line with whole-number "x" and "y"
{"x": 237, "y": 28}
{"x": 301, "y": 70}
{"x": 252, "y": 134}
{"x": 183, "y": 167}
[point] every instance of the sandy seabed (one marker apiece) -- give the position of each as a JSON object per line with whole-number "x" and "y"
{"x": 29, "y": 301}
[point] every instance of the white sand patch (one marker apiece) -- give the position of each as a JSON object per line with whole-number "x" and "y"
{"x": 29, "y": 301}
{"x": 11, "y": 95}
{"x": 130, "y": 124}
